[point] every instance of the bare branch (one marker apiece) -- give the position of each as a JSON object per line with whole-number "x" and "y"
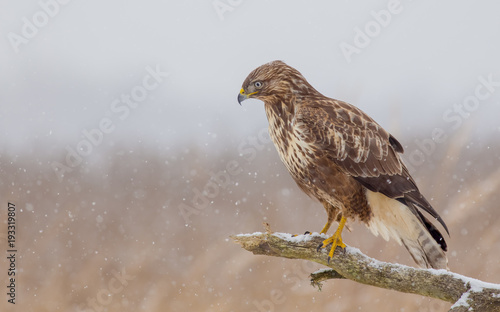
{"x": 467, "y": 293}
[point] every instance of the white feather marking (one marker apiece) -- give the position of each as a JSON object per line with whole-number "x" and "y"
{"x": 393, "y": 219}
{"x": 390, "y": 218}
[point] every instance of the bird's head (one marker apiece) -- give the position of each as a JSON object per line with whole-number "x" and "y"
{"x": 272, "y": 81}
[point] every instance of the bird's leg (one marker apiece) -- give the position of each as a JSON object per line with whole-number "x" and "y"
{"x": 326, "y": 227}
{"x": 331, "y": 212}
{"x": 335, "y": 240}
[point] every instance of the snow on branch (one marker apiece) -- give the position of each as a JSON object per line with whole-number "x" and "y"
{"x": 466, "y": 293}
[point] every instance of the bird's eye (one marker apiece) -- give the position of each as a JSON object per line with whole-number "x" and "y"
{"x": 258, "y": 84}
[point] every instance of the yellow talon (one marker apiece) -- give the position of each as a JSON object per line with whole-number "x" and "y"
{"x": 325, "y": 228}
{"x": 335, "y": 240}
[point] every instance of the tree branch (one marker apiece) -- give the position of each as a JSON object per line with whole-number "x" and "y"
{"x": 466, "y": 293}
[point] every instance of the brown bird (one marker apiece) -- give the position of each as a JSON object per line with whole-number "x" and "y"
{"x": 339, "y": 155}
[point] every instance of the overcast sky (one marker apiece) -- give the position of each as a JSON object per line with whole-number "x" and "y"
{"x": 167, "y": 72}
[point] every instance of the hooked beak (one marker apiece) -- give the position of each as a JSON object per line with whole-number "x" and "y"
{"x": 243, "y": 96}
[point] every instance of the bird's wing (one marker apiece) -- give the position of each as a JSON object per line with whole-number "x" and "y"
{"x": 361, "y": 148}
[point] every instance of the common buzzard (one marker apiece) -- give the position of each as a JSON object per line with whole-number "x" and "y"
{"x": 339, "y": 155}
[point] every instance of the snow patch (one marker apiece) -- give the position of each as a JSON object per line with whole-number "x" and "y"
{"x": 322, "y": 270}
{"x": 299, "y": 238}
{"x": 475, "y": 284}
{"x": 462, "y": 302}
{"x": 247, "y": 235}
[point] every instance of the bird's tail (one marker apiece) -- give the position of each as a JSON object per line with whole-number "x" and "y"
{"x": 392, "y": 218}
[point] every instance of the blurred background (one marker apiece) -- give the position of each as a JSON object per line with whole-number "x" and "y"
{"x": 130, "y": 162}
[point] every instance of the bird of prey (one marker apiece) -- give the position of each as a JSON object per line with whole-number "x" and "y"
{"x": 339, "y": 155}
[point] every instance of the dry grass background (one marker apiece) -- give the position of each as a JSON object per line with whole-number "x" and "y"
{"x": 119, "y": 212}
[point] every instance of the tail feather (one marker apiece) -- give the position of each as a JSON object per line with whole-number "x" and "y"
{"x": 392, "y": 218}
{"x": 438, "y": 237}
{"x": 425, "y": 251}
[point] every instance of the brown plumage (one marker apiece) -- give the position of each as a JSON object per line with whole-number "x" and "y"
{"x": 339, "y": 155}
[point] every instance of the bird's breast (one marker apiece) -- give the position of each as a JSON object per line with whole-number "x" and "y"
{"x": 311, "y": 168}
{"x": 296, "y": 154}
